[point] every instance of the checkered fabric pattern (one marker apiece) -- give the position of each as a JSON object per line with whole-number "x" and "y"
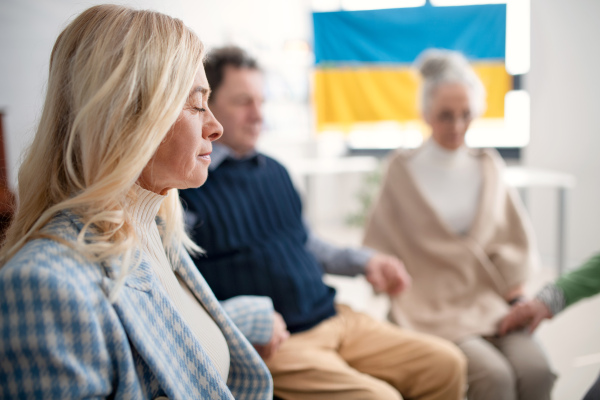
{"x": 253, "y": 315}
{"x": 61, "y": 338}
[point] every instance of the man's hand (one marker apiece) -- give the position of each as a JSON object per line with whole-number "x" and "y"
{"x": 387, "y": 274}
{"x": 530, "y": 313}
{"x": 280, "y": 335}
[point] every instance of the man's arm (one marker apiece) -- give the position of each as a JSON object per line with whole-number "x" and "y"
{"x": 384, "y": 272}
{"x": 339, "y": 260}
{"x": 553, "y": 298}
{"x": 582, "y": 282}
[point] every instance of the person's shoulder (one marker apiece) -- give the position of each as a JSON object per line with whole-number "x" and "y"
{"x": 399, "y": 157}
{"x": 492, "y": 155}
{"x": 270, "y": 161}
{"x": 272, "y": 165}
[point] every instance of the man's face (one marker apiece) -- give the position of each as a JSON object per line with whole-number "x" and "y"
{"x": 237, "y": 106}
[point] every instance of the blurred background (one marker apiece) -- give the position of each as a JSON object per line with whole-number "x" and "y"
{"x": 544, "y": 97}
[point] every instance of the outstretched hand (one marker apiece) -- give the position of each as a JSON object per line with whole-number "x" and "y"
{"x": 529, "y": 313}
{"x": 280, "y": 334}
{"x": 387, "y": 274}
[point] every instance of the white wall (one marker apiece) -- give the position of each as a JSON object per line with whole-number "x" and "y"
{"x": 28, "y": 29}
{"x": 564, "y": 83}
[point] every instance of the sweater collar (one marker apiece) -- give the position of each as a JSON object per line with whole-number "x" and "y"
{"x": 436, "y": 154}
{"x": 144, "y": 206}
{"x": 221, "y": 152}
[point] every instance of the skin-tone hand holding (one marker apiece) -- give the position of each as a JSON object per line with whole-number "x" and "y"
{"x": 529, "y": 313}
{"x": 280, "y": 335}
{"x": 387, "y": 274}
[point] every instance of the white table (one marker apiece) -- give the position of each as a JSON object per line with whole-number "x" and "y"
{"x": 525, "y": 178}
{"x": 309, "y": 168}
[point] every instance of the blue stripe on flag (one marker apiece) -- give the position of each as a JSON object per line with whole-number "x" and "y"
{"x": 399, "y": 35}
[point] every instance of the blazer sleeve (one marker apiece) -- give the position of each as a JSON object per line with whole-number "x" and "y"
{"x": 51, "y": 340}
{"x": 253, "y": 315}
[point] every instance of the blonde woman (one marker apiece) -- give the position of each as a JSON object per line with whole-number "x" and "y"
{"x": 445, "y": 211}
{"x": 98, "y": 295}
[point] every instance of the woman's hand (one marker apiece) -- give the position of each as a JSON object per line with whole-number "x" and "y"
{"x": 530, "y": 313}
{"x": 387, "y": 274}
{"x": 280, "y": 335}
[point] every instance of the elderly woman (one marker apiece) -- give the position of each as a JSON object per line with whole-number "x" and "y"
{"x": 445, "y": 211}
{"x": 98, "y": 295}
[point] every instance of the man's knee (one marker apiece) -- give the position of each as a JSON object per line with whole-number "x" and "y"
{"x": 450, "y": 364}
{"x": 375, "y": 389}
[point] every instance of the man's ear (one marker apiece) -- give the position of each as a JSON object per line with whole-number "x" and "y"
{"x": 426, "y": 116}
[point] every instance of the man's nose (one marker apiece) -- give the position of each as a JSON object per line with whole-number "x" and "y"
{"x": 256, "y": 111}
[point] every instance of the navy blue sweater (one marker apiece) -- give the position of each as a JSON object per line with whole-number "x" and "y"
{"x": 248, "y": 219}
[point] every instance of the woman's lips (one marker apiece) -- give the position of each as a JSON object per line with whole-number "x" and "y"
{"x": 205, "y": 156}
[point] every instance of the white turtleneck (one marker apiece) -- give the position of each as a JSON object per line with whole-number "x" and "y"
{"x": 144, "y": 211}
{"x": 450, "y": 181}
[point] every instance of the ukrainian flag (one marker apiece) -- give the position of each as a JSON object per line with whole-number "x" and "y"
{"x": 363, "y": 59}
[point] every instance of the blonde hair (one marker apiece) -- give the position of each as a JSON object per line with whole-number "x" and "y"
{"x": 439, "y": 67}
{"x": 118, "y": 80}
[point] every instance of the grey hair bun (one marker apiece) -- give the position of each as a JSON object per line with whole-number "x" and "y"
{"x": 439, "y": 67}
{"x": 436, "y": 63}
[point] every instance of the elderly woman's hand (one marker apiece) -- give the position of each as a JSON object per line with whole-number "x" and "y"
{"x": 530, "y": 313}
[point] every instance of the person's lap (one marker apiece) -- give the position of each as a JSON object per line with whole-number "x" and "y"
{"x": 508, "y": 368}
{"x": 353, "y": 356}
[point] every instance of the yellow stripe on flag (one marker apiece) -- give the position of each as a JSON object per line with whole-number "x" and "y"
{"x": 345, "y": 96}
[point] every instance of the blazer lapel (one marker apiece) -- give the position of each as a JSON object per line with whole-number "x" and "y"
{"x": 162, "y": 338}
{"x": 195, "y": 281}
{"x": 247, "y": 370}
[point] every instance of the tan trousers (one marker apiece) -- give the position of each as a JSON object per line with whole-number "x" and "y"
{"x": 352, "y": 356}
{"x": 509, "y": 368}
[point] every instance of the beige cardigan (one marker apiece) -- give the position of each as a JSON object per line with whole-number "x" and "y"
{"x": 459, "y": 282}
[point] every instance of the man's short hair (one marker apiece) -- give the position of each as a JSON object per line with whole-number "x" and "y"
{"x": 219, "y": 58}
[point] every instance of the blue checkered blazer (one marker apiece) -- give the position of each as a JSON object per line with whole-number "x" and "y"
{"x": 61, "y": 338}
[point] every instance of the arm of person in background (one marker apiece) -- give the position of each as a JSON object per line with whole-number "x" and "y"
{"x": 553, "y": 298}
{"x": 384, "y": 272}
{"x": 256, "y": 318}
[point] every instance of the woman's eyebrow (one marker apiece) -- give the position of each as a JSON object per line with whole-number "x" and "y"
{"x": 200, "y": 89}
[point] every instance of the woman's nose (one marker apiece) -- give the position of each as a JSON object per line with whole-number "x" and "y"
{"x": 213, "y": 128}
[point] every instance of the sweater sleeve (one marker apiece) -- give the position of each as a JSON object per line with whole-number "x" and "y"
{"x": 253, "y": 315}
{"x": 338, "y": 260}
{"x": 582, "y": 282}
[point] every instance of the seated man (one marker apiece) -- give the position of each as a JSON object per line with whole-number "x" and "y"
{"x": 248, "y": 218}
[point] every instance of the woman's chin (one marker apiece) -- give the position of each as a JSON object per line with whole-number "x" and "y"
{"x": 197, "y": 182}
